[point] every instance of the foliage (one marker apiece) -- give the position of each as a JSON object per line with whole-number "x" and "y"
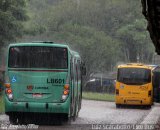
{"x": 1, "y": 104}
{"x": 12, "y": 14}
{"x": 136, "y": 42}
{"x": 98, "y": 96}
{"x": 104, "y": 32}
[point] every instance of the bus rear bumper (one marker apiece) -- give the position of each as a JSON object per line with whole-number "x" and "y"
{"x": 134, "y": 101}
{"x": 37, "y": 107}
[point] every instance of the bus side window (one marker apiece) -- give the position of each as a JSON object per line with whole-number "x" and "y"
{"x": 79, "y": 70}
{"x": 71, "y": 66}
{"x": 75, "y": 70}
{"x": 83, "y": 69}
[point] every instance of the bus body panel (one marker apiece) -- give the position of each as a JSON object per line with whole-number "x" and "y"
{"x": 131, "y": 88}
{"x": 42, "y": 86}
{"x": 134, "y": 94}
{"x": 37, "y": 107}
{"x": 156, "y": 84}
{"x": 40, "y": 90}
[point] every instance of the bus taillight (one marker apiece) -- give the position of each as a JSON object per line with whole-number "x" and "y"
{"x": 149, "y": 93}
{"x": 7, "y": 85}
{"x": 8, "y": 91}
{"x": 10, "y": 96}
{"x": 65, "y": 92}
{"x": 117, "y": 92}
{"x": 66, "y": 86}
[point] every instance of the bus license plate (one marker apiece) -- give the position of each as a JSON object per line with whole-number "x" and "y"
{"x": 37, "y": 95}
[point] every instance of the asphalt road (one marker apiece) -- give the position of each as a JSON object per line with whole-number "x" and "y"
{"x": 95, "y": 115}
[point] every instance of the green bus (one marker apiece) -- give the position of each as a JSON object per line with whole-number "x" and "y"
{"x": 42, "y": 78}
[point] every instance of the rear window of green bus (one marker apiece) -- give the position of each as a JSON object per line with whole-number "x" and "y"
{"x": 38, "y": 57}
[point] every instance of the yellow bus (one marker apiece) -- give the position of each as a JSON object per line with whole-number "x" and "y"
{"x": 134, "y": 84}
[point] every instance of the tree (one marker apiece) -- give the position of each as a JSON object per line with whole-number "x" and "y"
{"x": 12, "y": 14}
{"x": 104, "y": 32}
{"x": 136, "y": 42}
{"x": 99, "y": 51}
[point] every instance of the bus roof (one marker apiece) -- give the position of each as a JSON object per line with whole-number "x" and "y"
{"x": 39, "y": 44}
{"x": 137, "y": 65}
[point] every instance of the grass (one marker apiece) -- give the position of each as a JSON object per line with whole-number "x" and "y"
{"x": 1, "y": 104}
{"x": 98, "y": 96}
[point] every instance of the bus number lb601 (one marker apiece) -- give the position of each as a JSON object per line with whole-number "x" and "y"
{"x": 55, "y": 81}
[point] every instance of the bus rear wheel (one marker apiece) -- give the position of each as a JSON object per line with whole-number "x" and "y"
{"x": 118, "y": 105}
{"x": 147, "y": 106}
{"x": 75, "y": 115}
{"x": 13, "y": 119}
{"x": 66, "y": 119}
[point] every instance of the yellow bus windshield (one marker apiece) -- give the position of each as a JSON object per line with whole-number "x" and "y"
{"x": 134, "y": 76}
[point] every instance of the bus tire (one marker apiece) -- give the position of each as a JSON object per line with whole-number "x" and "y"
{"x": 66, "y": 119}
{"x": 74, "y": 116}
{"x": 75, "y": 112}
{"x": 118, "y": 106}
{"x": 21, "y": 120}
{"x": 80, "y": 103}
{"x": 13, "y": 119}
{"x": 147, "y": 107}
